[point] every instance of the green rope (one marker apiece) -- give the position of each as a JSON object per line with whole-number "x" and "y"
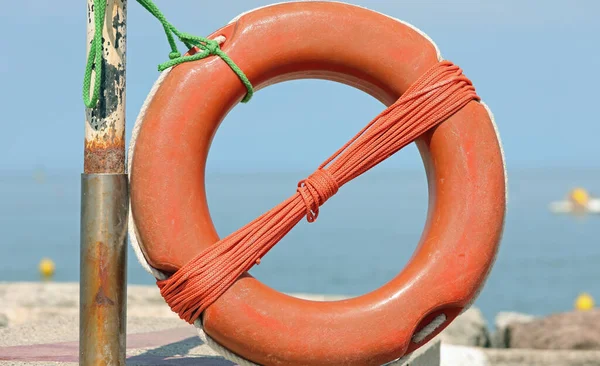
{"x": 207, "y": 47}
{"x": 94, "y": 61}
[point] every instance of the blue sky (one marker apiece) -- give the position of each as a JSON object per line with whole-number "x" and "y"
{"x": 535, "y": 63}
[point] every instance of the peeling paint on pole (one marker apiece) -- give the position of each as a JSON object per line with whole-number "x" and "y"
{"x": 105, "y": 124}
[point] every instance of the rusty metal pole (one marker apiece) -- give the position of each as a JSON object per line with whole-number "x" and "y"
{"x": 104, "y": 203}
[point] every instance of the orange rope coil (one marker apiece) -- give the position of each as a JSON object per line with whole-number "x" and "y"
{"x": 435, "y": 96}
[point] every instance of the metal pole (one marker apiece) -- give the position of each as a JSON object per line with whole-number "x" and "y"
{"x": 104, "y": 203}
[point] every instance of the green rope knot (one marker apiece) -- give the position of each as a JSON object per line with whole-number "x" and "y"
{"x": 207, "y": 47}
{"x": 212, "y": 46}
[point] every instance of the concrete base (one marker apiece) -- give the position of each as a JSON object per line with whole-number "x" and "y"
{"x": 43, "y": 329}
{"x": 179, "y": 346}
{"x": 427, "y": 355}
{"x": 452, "y": 355}
{"x": 176, "y": 346}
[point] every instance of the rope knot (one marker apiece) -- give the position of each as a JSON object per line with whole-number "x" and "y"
{"x": 174, "y": 55}
{"x": 316, "y": 190}
{"x": 212, "y": 46}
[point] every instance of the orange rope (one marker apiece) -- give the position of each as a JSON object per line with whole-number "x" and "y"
{"x": 434, "y": 97}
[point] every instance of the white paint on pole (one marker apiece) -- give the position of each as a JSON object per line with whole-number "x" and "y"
{"x": 105, "y": 124}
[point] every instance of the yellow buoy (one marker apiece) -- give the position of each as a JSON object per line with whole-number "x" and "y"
{"x": 580, "y": 196}
{"x": 47, "y": 268}
{"x": 584, "y": 302}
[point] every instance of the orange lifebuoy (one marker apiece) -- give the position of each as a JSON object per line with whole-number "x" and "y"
{"x": 462, "y": 157}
